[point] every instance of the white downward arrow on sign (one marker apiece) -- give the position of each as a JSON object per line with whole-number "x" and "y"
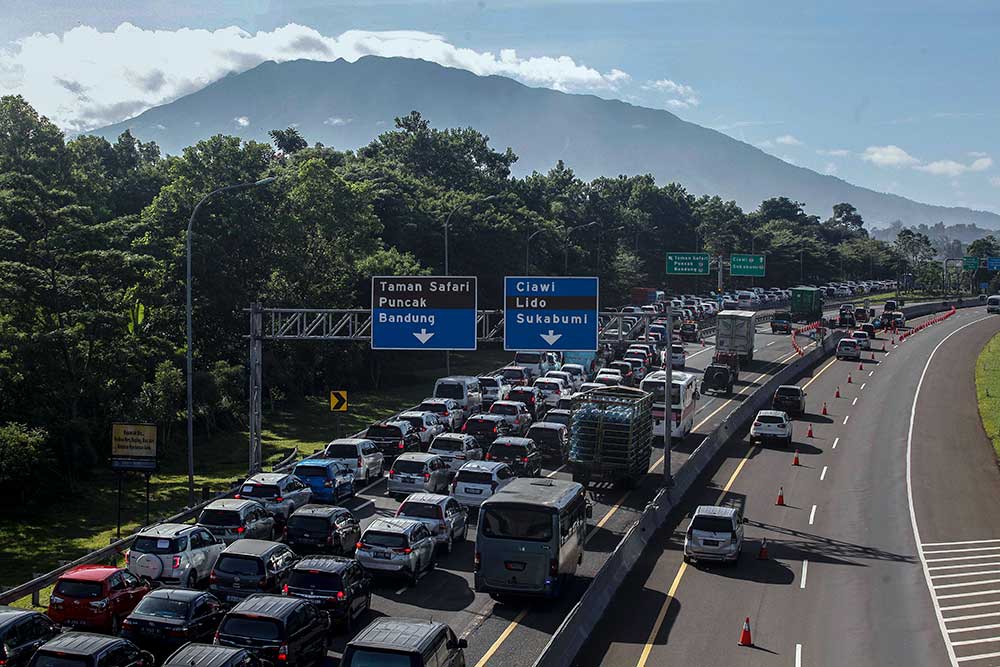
{"x": 550, "y": 337}
{"x": 423, "y": 336}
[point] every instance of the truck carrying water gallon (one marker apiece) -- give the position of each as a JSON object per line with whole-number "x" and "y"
{"x": 611, "y": 432}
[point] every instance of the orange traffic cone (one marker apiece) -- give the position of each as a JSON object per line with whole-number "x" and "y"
{"x": 808, "y": 435}
{"x": 762, "y": 553}
{"x": 781, "y": 497}
{"x": 838, "y": 392}
{"x": 861, "y": 366}
{"x": 703, "y": 342}
{"x": 745, "y": 639}
{"x": 893, "y": 340}
{"x": 883, "y": 346}
{"x": 795, "y": 460}
{"x": 849, "y": 380}
{"x": 824, "y": 404}
{"x": 873, "y": 356}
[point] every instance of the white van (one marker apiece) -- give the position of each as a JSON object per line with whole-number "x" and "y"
{"x": 463, "y": 389}
{"x": 537, "y": 363}
{"x": 993, "y": 304}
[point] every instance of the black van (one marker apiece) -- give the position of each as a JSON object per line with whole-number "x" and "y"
{"x": 387, "y": 639}
{"x": 323, "y": 527}
{"x": 285, "y": 630}
{"x": 250, "y": 566}
{"x": 22, "y": 631}
{"x": 209, "y": 655}
{"x": 337, "y": 585}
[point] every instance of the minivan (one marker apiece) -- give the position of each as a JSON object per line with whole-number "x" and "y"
{"x": 412, "y": 473}
{"x": 406, "y": 642}
{"x": 283, "y": 630}
{"x": 22, "y": 631}
{"x": 396, "y": 546}
{"x": 230, "y": 519}
{"x": 250, "y": 566}
{"x": 336, "y": 585}
{"x": 322, "y": 527}
{"x": 359, "y": 454}
{"x": 330, "y": 481}
{"x": 463, "y": 389}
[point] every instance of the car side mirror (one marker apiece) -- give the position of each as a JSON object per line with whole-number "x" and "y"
{"x": 590, "y": 511}
{"x": 147, "y": 658}
{"x": 458, "y": 644}
{"x": 744, "y": 520}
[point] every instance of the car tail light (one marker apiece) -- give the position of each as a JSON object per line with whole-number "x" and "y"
{"x": 361, "y": 462}
{"x": 401, "y": 444}
{"x": 489, "y": 457}
{"x": 423, "y": 428}
{"x": 178, "y": 632}
{"x": 454, "y": 486}
{"x": 553, "y": 567}
{"x": 328, "y": 483}
{"x": 284, "y": 589}
{"x": 524, "y": 459}
{"x": 445, "y": 413}
{"x": 279, "y": 499}
{"x": 177, "y": 562}
{"x": 340, "y": 595}
{"x": 517, "y": 420}
{"x": 477, "y": 562}
{"x": 126, "y": 622}
{"x": 493, "y": 486}
{"x": 494, "y": 429}
{"x": 329, "y": 540}
{"x": 215, "y": 639}
{"x": 442, "y": 527}
{"x": 359, "y": 545}
{"x": 392, "y": 472}
{"x": 237, "y": 496}
{"x": 757, "y": 424}
{"x": 283, "y": 653}
{"x": 427, "y": 477}
{"x": 465, "y": 427}
{"x": 406, "y": 550}
{"x": 99, "y": 604}
{"x": 284, "y": 531}
{"x": 460, "y": 456}
{"x": 240, "y": 530}
{"x": 212, "y": 577}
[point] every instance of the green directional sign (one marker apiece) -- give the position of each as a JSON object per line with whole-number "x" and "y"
{"x": 746, "y": 265}
{"x": 687, "y": 263}
{"x": 970, "y": 263}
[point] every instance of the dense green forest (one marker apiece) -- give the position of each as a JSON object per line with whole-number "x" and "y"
{"x": 92, "y": 261}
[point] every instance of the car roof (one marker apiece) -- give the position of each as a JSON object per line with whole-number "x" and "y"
{"x": 90, "y": 572}
{"x": 179, "y": 594}
{"x": 317, "y": 462}
{"x": 789, "y": 386}
{"x": 11, "y": 614}
{"x": 772, "y": 413}
{"x": 548, "y": 425}
{"x": 451, "y": 435}
{"x": 431, "y": 498}
{"x": 351, "y": 441}
{"x": 415, "y": 413}
{"x": 487, "y": 416}
{"x": 249, "y": 547}
{"x": 392, "y": 524}
{"x": 324, "y": 562}
{"x": 319, "y": 510}
{"x": 393, "y": 422}
{"x": 202, "y": 655}
{"x": 558, "y": 411}
{"x": 81, "y": 643}
{"x": 408, "y": 634}
{"x": 482, "y": 466}
{"x": 165, "y": 530}
{"x": 267, "y": 477}
{"x": 510, "y": 440}
{"x": 278, "y": 606}
{"x": 506, "y": 402}
{"x": 542, "y": 491}
{"x": 422, "y": 457}
{"x": 230, "y": 504}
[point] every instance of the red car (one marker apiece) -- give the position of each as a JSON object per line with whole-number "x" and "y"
{"x": 95, "y": 597}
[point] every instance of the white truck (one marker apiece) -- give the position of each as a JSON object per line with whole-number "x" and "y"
{"x": 735, "y": 333}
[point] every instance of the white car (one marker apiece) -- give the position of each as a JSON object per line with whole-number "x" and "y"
{"x": 678, "y": 358}
{"x": 578, "y": 372}
{"x": 456, "y": 449}
{"x": 478, "y": 480}
{"x": 864, "y": 340}
{"x": 176, "y": 554}
{"x": 771, "y": 425}
{"x": 425, "y": 423}
{"x": 568, "y": 379}
{"x": 280, "y": 493}
{"x": 358, "y": 454}
{"x": 449, "y": 412}
{"x": 587, "y": 386}
{"x": 551, "y": 388}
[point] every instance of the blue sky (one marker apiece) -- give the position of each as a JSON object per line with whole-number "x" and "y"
{"x": 901, "y": 97}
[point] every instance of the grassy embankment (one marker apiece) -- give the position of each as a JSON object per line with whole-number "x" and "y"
{"x": 988, "y": 389}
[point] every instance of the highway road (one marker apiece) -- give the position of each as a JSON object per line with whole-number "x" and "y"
{"x": 845, "y": 583}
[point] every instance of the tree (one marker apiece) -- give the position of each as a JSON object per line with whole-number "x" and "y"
{"x": 914, "y": 246}
{"x": 988, "y": 246}
{"x": 289, "y": 141}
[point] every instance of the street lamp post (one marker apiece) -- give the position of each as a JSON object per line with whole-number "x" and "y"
{"x": 190, "y": 401}
{"x": 527, "y": 248}
{"x": 566, "y": 249}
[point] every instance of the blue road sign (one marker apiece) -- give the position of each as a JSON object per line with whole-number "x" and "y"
{"x": 984, "y": 285}
{"x": 993, "y": 263}
{"x": 550, "y": 313}
{"x": 424, "y": 313}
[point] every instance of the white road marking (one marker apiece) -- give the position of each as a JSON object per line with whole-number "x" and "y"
{"x": 846, "y": 417}
{"x": 771, "y": 343}
{"x": 822, "y": 474}
{"x": 871, "y": 373}
{"x": 835, "y": 441}
{"x": 975, "y": 605}
{"x": 938, "y": 609}
{"x": 948, "y": 544}
{"x": 812, "y": 515}
{"x": 971, "y": 594}
{"x": 981, "y": 656}
{"x": 402, "y": 590}
{"x": 945, "y": 560}
{"x": 864, "y": 384}
{"x": 805, "y": 573}
{"x": 971, "y": 617}
{"x": 958, "y": 567}
{"x": 888, "y": 353}
{"x": 855, "y": 401}
{"x": 958, "y": 551}
{"x": 977, "y": 641}
{"x": 963, "y": 574}
{"x": 967, "y": 583}
{"x": 798, "y": 655}
{"x": 364, "y": 504}
{"x": 992, "y": 626}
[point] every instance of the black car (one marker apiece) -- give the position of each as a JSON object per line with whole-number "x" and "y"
{"x": 789, "y": 398}
{"x": 486, "y": 428}
{"x": 336, "y": 585}
{"x": 521, "y": 454}
{"x": 394, "y": 438}
{"x": 168, "y": 618}
{"x": 405, "y": 641}
{"x": 551, "y": 438}
{"x": 84, "y": 649}
{"x": 530, "y": 396}
{"x": 250, "y": 566}
{"x": 286, "y": 630}
{"x": 22, "y": 631}
{"x": 322, "y": 527}
{"x": 209, "y": 655}
{"x": 625, "y": 368}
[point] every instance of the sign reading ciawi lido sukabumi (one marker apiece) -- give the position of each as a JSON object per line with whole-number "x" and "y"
{"x": 133, "y": 447}
{"x": 545, "y": 313}
{"x": 424, "y": 313}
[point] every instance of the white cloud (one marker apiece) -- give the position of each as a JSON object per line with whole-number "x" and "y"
{"x": 130, "y": 69}
{"x": 682, "y": 96}
{"x": 333, "y": 120}
{"x": 952, "y": 168}
{"x": 889, "y": 156}
{"x": 978, "y": 154}
{"x": 242, "y": 121}
{"x": 995, "y": 181}
{"x": 787, "y": 140}
{"x": 638, "y": 126}
{"x": 834, "y": 152}
{"x": 830, "y": 168}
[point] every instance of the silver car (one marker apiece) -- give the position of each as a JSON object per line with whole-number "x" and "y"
{"x": 279, "y": 492}
{"x": 448, "y": 411}
{"x": 456, "y": 449}
{"x": 444, "y": 517}
{"x": 396, "y": 546}
{"x": 478, "y": 480}
{"x": 176, "y": 554}
{"x": 360, "y": 455}
{"x": 425, "y": 423}
{"x": 414, "y": 472}
{"x": 514, "y": 413}
{"x": 230, "y": 519}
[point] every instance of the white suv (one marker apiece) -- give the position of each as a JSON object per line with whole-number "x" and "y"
{"x": 176, "y": 554}
{"x": 771, "y": 425}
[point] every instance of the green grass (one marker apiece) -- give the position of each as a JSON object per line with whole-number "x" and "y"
{"x": 74, "y": 522}
{"x": 988, "y": 389}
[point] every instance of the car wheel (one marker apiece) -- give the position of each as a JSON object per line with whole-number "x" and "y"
{"x": 368, "y": 476}
{"x": 192, "y": 580}
{"x": 116, "y": 625}
{"x": 450, "y": 544}
{"x": 465, "y": 532}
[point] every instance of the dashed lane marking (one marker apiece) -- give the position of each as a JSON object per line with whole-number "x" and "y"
{"x": 805, "y": 574}
{"x": 812, "y": 515}
{"x": 835, "y": 441}
{"x": 846, "y": 417}
{"x": 822, "y": 475}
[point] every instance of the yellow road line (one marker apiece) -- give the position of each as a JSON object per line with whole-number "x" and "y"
{"x": 820, "y": 372}
{"x": 503, "y": 636}
{"x": 660, "y": 617}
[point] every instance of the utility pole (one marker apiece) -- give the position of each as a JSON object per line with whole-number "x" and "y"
{"x": 719, "y": 285}
{"x": 802, "y": 279}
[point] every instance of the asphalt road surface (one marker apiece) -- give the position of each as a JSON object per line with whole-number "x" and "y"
{"x": 846, "y": 583}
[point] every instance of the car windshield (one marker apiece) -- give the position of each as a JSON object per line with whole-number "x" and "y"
{"x": 449, "y": 390}
{"x": 211, "y": 517}
{"x": 507, "y": 451}
{"x": 447, "y": 444}
{"x": 311, "y": 524}
{"x": 525, "y": 397}
{"x": 77, "y": 588}
{"x": 489, "y": 382}
{"x": 789, "y": 391}
{"x": 860, "y": 334}
{"x": 254, "y": 627}
{"x": 677, "y": 349}
{"x": 342, "y": 451}
{"x": 310, "y": 471}
{"x": 316, "y": 579}
{"x": 477, "y": 426}
{"x": 513, "y": 373}
{"x": 516, "y": 523}
{"x": 543, "y": 434}
{"x": 246, "y": 566}
{"x": 502, "y": 409}
{"x": 547, "y": 386}
{"x": 415, "y": 422}
{"x": 562, "y": 418}
{"x": 158, "y": 545}
{"x": 782, "y": 315}
{"x": 437, "y": 408}
{"x": 260, "y": 490}
{"x": 48, "y": 660}
{"x": 415, "y": 510}
{"x": 152, "y": 605}
{"x": 712, "y": 524}
{"x": 379, "y": 539}
{"x": 384, "y": 432}
{"x": 675, "y": 394}
{"x": 408, "y": 466}
{"x": 848, "y": 344}
{"x": 364, "y": 657}
{"x": 770, "y": 419}
{"x": 474, "y": 477}
{"x": 527, "y": 358}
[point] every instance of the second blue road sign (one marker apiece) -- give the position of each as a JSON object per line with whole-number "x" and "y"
{"x": 550, "y": 313}
{"x": 423, "y": 313}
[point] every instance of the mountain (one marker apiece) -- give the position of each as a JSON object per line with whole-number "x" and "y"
{"x": 345, "y": 105}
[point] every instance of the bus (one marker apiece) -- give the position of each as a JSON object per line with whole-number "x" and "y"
{"x": 683, "y": 402}
{"x": 530, "y": 537}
